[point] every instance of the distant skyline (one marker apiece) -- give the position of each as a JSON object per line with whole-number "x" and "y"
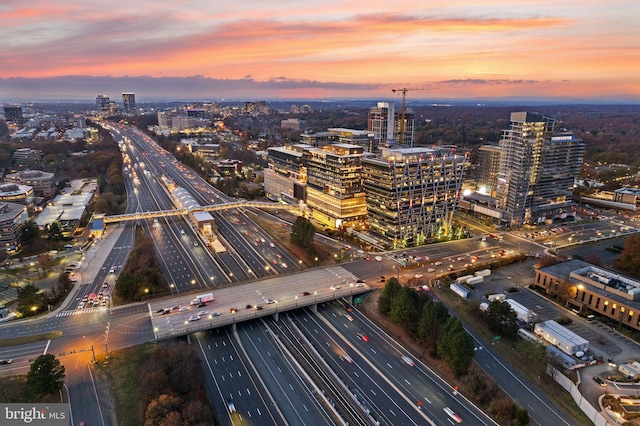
{"x": 575, "y": 50}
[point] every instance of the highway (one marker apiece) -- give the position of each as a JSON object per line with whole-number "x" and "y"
{"x": 239, "y": 368}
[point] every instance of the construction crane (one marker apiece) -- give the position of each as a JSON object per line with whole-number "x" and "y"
{"x": 403, "y": 111}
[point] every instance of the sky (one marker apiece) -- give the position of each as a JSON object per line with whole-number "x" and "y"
{"x": 312, "y": 49}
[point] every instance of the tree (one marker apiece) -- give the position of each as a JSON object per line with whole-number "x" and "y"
{"x": 31, "y": 300}
{"x": 455, "y": 346}
{"x": 502, "y": 319}
{"x": 45, "y": 376}
{"x": 628, "y": 260}
{"x": 55, "y": 231}
{"x": 29, "y": 230}
{"x": 302, "y": 232}
{"x": 390, "y": 291}
{"x": 405, "y": 308}
{"x": 434, "y": 315}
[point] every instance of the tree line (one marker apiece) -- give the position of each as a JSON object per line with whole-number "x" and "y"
{"x": 429, "y": 323}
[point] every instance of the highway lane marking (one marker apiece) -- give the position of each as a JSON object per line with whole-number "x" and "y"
{"x": 46, "y": 348}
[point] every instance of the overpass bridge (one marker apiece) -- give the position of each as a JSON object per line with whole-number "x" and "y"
{"x": 211, "y": 208}
{"x": 286, "y": 293}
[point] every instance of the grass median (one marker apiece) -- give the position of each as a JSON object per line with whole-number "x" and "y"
{"x": 17, "y": 341}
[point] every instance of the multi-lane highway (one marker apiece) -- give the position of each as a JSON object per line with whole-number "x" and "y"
{"x": 250, "y": 375}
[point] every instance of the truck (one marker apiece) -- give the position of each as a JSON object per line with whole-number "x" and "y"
{"x": 459, "y": 290}
{"x": 475, "y": 280}
{"x": 483, "y": 273}
{"x": 463, "y": 279}
{"x": 202, "y": 300}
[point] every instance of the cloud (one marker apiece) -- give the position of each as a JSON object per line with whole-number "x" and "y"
{"x": 192, "y": 87}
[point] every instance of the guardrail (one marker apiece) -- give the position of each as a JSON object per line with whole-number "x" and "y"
{"x": 241, "y": 315}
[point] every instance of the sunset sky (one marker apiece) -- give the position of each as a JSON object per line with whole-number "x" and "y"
{"x": 269, "y": 49}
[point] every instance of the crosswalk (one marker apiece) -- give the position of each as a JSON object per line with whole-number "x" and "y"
{"x": 81, "y": 311}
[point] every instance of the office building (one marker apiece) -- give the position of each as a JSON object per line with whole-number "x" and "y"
{"x": 103, "y": 104}
{"x": 488, "y": 168}
{"x": 41, "y": 182}
{"x": 593, "y": 289}
{"x": 412, "y": 192}
{"x": 538, "y": 168}
{"x": 13, "y": 114}
{"x": 335, "y": 194}
{"x": 12, "y": 218}
{"x": 129, "y": 103}
{"x": 385, "y": 123}
{"x": 362, "y": 138}
{"x": 293, "y": 124}
{"x": 285, "y": 178}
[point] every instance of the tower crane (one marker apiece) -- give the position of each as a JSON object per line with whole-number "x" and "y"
{"x": 403, "y": 110}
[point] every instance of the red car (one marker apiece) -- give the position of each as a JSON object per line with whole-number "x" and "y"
{"x": 305, "y": 293}
{"x": 363, "y": 337}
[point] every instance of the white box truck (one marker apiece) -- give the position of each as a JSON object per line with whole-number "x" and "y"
{"x": 202, "y": 299}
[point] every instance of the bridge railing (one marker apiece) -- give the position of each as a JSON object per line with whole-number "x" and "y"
{"x": 227, "y": 318}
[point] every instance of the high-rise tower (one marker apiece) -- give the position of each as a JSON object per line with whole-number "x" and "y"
{"x": 537, "y": 169}
{"x": 129, "y": 102}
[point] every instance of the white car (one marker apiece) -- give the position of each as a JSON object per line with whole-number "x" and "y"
{"x": 378, "y": 258}
{"x": 270, "y": 301}
{"x": 334, "y": 287}
{"x": 194, "y": 318}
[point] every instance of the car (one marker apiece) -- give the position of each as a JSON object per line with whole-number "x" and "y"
{"x": 96, "y": 302}
{"x": 166, "y": 311}
{"x": 367, "y": 258}
{"x": 334, "y": 287}
{"x": 203, "y": 313}
{"x": 81, "y": 305}
{"x": 348, "y": 308}
{"x": 182, "y": 232}
{"x": 278, "y": 255}
{"x": 349, "y": 317}
{"x": 363, "y": 337}
{"x": 194, "y": 318}
{"x": 85, "y": 298}
{"x": 231, "y": 406}
{"x": 104, "y": 303}
{"x": 408, "y": 360}
{"x": 474, "y": 258}
{"x": 195, "y": 244}
{"x": 105, "y": 285}
{"x": 257, "y": 308}
{"x": 438, "y": 263}
{"x": 431, "y": 270}
{"x": 248, "y": 306}
{"x": 68, "y": 246}
{"x": 460, "y": 259}
{"x": 272, "y": 245}
{"x": 599, "y": 381}
{"x": 450, "y": 268}
{"x": 347, "y": 358}
{"x": 233, "y": 310}
{"x": 274, "y": 261}
{"x": 378, "y": 258}
{"x": 456, "y": 418}
{"x": 215, "y": 314}
{"x": 305, "y": 293}
{"x": 359, "y": 281}
{"x": 5, "y": 361}
{"x": 112, "y": 270}
{"x": 611, "y": 363}
{"x": 284, "y": 265}
{"x": 184, "y": 308}
{"x": 418, "y": 276}
{"x": 359, "y": 285}
{"x": 468, "y": 265}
